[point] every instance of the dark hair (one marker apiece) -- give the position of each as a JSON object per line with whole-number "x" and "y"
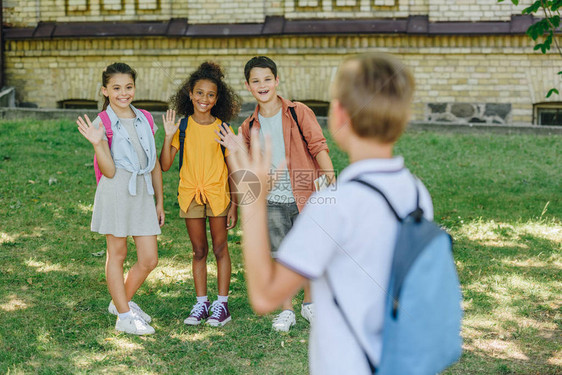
{"x": 228, "y": 102}
{"x": 259, "y": 62}
{"x": 115, "y": 68}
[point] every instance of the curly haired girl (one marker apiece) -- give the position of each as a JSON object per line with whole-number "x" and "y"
{"x": 204, "y": 101}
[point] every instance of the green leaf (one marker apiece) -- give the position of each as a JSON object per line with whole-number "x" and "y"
{"x": 538, "y": 29}
{"x": 560, "y": 72}
{"x": 552, "y": 91}
{"x": 547, "y": 43}
{"x": 555, "y": 21}
{"x": 556, "y": 4}
{"x": 533, "y": 31}
{"x": 533, "y": 8}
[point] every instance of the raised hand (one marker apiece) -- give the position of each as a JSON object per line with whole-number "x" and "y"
{"x": 169, "y": 120}
{"x": 231, "y": 141}
{"x": 92, "y": 134}
{"x": 255, "y": 162}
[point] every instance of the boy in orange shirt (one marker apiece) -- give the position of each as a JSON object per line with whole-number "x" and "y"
{"x": 298, "y": 141}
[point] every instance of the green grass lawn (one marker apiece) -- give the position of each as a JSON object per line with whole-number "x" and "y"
{"x": 499, "y": 196}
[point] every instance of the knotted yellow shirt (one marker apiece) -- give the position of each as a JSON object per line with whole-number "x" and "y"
{"x": 204, "y": 174}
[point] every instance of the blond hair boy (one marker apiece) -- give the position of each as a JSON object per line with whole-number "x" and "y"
{"x": 348, "y": 244}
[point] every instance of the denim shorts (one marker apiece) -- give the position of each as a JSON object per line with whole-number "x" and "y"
{"x": 280, "y": 220}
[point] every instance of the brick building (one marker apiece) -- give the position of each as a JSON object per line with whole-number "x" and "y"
{"x": 471, "y": 58}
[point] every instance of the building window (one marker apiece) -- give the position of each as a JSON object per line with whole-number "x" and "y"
{"x": 548, "y": 113}
{"x": 318, "y": 107}
{"x": 151, "y": 105}
{"x": 78, "y": 104}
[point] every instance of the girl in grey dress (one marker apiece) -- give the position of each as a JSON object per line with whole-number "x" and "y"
{"x": 129, "y": 199}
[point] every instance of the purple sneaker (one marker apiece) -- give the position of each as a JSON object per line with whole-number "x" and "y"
{"x": 220, "y": 316}
{"x": 199, "y": 313}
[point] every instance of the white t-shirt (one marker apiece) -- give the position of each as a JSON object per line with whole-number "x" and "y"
{"x": 349, "y": 233}
{"x": 281, "y": 192}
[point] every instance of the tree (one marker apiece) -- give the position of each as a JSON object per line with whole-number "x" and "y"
{"x": 543, "y": 31}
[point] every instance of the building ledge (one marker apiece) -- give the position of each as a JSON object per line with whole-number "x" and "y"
{"x": 18, "y": 113}
{"x": 180, "y": 27}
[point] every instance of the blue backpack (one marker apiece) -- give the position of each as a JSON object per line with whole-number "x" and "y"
{"x": 422, "y": 321}
{"x": 183, "y": 128}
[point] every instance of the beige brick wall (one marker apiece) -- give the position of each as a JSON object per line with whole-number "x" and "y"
{"x": 20, "y": 13}
{"x": 418, "y": 7}
{"x": 474, "y": 10}
{"x": 325, "y": 9}
{"x": 219, "y": 11}
{"x": 447, "y": 69}
{"x": 26, "y": 13}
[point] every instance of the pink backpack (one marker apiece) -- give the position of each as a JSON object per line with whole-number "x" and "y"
{"x": 107, "y": 124}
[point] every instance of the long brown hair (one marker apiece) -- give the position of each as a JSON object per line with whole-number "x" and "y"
{"x": 115, "y": 68}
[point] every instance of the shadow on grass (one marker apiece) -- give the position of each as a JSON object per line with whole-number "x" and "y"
{"x": 55, "y": 316}
{"x": 53, "y": 297}
{"x": 511, "y": 301}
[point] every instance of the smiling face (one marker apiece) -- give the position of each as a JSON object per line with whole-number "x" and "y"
{"x": 262, "y": 83}
{"x": 203, "y": 96}
{"x": 120, "y": 90}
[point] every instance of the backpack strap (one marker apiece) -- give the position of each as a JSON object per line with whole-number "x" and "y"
{"x": 105, "y": 120}
{"x": 149, "y": 117}
{"x": 382, "y": 195}
{"x": 104, "y": 117}
{"x": 224, "y": 125}
{"x": 417, "y": 211}
{"x": 107, "y": 123}
{"x": 183, "y": 126}
{"x": 372, "y": 367}
{"x": 294, "y": 115}
{"x": 400, "y": 264}
{"x": 417, "y": 214}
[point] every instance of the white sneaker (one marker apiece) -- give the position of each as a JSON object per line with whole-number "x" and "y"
{"x": 307, "y": 312}
{"x": 134, "y": 325}
{"x": 134, "y": 308}
{"x": 284, "y": 321}
{"x": 137, "y": 310}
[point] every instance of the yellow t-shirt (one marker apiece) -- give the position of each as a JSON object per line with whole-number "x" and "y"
{"x": 204, "y": 174}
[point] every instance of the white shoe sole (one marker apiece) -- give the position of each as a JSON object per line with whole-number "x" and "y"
{"x": 193, "y": 322}
{"x": 113, "y": 310}
{"x": 282, "y": 329}
{"x": 215, "y": 323}
{"x": 136, "y": 333}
